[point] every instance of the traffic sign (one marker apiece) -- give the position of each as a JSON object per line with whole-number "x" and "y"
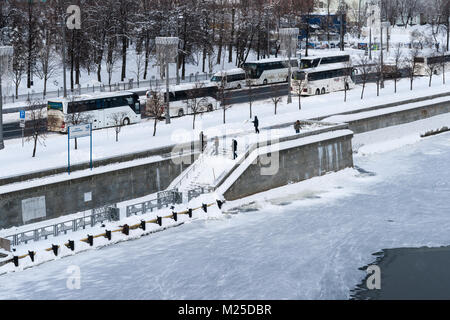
{"x": 22, "y": 114}
{"x": 22, "y": 123}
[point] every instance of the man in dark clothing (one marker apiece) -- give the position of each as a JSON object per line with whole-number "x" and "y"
{"x": 256, "y": 124}
{"x": 297, "y": 126}
{"x": 234, "y": 147}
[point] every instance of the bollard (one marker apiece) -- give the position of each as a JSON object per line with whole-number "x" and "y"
{"x": 71, "y": 245}
{"x": 16, "y": 261}
{"x": 126, "y": 230}
{"x": 190, "y": 213}
{"x": 219, "y": 204}
{"x": 108, "y": 235}
{"x": 205, "y": 207}
{"x": 55, "y": 249}
{"x": 142, "y": 226}
{"x": 31, "y": 254}
{"x": 159, "y": 221}
{"x": 90, "y": 240}
{"x": 175, "y": 216}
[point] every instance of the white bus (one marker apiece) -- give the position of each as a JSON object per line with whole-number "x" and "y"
{"x": 322, "y": 80}
{"x": 324, "y": 59}
{"x": 181, "y": 97}
{"x": 230, "y": 79}
{"x": 423, "y": 64}
{"x": 100, "y": 110}
{"x": 273, "y": 70}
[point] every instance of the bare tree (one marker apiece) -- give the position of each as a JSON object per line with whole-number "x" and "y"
{"x": 118, "y": 122}
{"x": 155, "y": 107}
{"x": 195, "y": 103}
{"x": 412, "y": 60}
{"x": 364, "y": 68}
{"x": 223, "y": 98}
{"x": 299, "y": 84}
{"x": 347, "y": 78}
{"x": 398, "y": 63}
{"x": 250, "y": 93}
{"x": 277, "y": 96}
{"x": 140, "y": 65}
{"x": 433, "y": 63}
{"x": 47, "y": 65}
{"x": 38, "y": 124}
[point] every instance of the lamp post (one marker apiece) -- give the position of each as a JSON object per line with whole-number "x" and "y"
{"x": 289, "y": 42}
{"x": 5, "y": 56}
{"x": 167, "y": 52}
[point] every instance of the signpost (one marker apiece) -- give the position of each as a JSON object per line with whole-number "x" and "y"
{"x": 22, "y": 124}
{"x": 75, "y": 132}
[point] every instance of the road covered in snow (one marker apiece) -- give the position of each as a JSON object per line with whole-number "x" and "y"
{"x": 303, "y": 241}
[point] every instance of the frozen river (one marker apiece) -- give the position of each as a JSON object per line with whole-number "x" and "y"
{"x": 306, "y": 246}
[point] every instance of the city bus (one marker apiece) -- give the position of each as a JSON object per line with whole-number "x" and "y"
{"x": 100, "y": 110}
{"x": 322, "y": 80}
{"x": 324, "y": 59}
{"x": 423, "y": 64}
{"x": 230, "y": 79}
{"x": 182, "y": 95}
{"x": 266, "y": 71}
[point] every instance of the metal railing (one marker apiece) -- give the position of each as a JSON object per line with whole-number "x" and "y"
{"x": 100, "y": 215}
{"x": 163, "y": 199}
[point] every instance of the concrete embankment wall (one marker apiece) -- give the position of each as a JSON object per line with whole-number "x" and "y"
{"x": 370, "y": 121}
{"x": 53, "y": 200}
{"x": 290, "y": 162}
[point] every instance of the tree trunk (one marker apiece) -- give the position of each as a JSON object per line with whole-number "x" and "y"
{"x": 35, "y": 145}
{"x": 124, "y": 58}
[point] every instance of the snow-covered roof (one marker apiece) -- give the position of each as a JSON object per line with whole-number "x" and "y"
{"x": 229, "y": 72}
{"x": 326, "y": 54}
{"x": 271, "y": 60}
{"x": 326, "y": 67}
{"x": 92, "y": 96}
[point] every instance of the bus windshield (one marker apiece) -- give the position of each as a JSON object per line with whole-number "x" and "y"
{"x": 308, "y": 63}
{"x": 216, "y": 79}
{"x": 299, "y": 75}
{"x": 253, "y": 70}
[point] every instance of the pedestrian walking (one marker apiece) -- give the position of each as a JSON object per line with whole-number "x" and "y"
{"x": 234, "y": 148}
{"x": 297, "y": 126}
{"x": 256, "y": 124}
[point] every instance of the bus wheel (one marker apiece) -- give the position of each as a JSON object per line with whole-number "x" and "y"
{"x": 210, "y": 107}
{"x": 323, "y": 91}
{"x": 317, "y": 92}
{"x": 239, "y": 86}
{"x": 126, "y": 122}
{"x": 180, "y": 112}
{"x": 265, "y": 82}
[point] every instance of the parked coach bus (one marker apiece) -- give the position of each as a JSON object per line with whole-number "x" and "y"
{"x": 266, "y": 71}
{"x": 322, "y": 80}
{"x": 230, "y": 79}
{"x": 98, "y": 110}
{"x": 182, "y": 96}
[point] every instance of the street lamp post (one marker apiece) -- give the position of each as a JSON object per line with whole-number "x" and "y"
{"x": 167, "y": 52}
{"x": 289, "y": 42}
{"x": 5, "y": 56}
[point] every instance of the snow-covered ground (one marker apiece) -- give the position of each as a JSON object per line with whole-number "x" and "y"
{"x": 302, "y": 241}
{"x": 17, "y": 160}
